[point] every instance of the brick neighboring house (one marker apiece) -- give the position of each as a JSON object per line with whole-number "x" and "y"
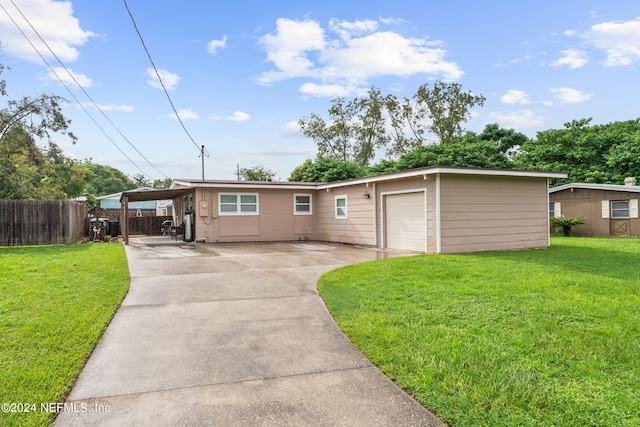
{"x": 609, "y": 210}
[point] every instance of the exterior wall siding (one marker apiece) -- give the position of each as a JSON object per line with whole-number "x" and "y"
{"x": 276, "y": 220}
{"x": 357, "y": 228}
{"x": 588, "y": 204}
{"x": 482, "y": 213}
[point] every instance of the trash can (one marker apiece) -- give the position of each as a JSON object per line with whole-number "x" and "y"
{"x": 114, "y": 227}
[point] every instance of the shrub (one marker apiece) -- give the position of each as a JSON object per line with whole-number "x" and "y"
{"x": 566, "y": 222}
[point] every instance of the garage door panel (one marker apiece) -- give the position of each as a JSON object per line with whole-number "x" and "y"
{"x": 405, "y": 221}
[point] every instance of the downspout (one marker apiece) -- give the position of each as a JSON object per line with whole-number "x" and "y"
{"x": 375, "y": 216}
{"x": 548, "y": 219}
{"x": 437, "y": 230}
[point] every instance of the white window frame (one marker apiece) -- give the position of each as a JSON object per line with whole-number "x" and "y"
{"x": 238, "y": 204}
{"x": 613, "y": 211}
{"x": 344, "y": 208}
{"x": 296, "y": 204}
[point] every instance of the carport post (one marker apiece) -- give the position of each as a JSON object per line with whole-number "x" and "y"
{"x": 124, "y": 216}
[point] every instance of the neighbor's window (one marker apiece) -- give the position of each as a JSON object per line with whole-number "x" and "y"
{"x": 620, "y": 209}
{"x": 552, "y": 210}
{"x": 238, "y": 204}
{"x": 341, "y": 207}
{"x": 302, "y": 204}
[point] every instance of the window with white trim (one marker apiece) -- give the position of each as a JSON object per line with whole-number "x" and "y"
{"x": 302, "y": 204}
{"x": 341, "y": 207}
{"x": 620, "y": 209}
{"x": 238, "y": 204}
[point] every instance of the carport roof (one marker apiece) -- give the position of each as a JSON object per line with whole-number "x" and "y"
{"x": 145, "y": 195}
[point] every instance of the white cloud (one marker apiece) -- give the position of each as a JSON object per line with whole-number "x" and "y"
{"x": 332, "y": 90}
{"x": 184, "y": 115}
{"x": 55, "y": 23}
{"x": 620, "y": 41}
{"x": 571, "y": 58}
{"x": 237, "y": 116}
{"x": 291, "y": 128}
{"x": 68, "y": 77}
{"x": 214, "y": 45}
{"x": 515, "y": 97}
{"x": 518, "y": 119}
{"x": 347, "y": 56}
{"x": 170, "y": 80}
{"x": 570, "y": 96}
{"x": 122, "y": 107}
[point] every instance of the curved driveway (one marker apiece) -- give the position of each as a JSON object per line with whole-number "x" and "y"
{"x": 230, "y": 335}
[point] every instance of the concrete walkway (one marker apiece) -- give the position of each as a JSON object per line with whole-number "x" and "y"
{"x": 233, "y": 335}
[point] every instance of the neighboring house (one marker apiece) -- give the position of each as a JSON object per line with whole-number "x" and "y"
{"x": 111, "y": 203}
{"x": 432, "y": 210}
{"x": 609, "y": 210}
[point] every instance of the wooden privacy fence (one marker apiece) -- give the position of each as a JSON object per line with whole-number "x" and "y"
{"x": 145, "y": 225}
{"x": 41, "y": 222}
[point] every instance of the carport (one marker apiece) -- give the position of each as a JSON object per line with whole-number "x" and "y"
{"x": 143, "y": 196}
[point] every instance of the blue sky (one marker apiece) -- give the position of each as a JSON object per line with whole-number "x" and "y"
{"x": 241, "y": 74}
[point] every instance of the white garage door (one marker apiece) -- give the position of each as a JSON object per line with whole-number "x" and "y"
{"x": 405, "y": 221}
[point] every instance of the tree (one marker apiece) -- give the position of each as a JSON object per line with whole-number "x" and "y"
{"x": 603, "y": 154}
{"x": 256, "y": 173}
{"x": 106, "y": 180}
{"x": 357, "y": 128}
{"x": 326, "y": 169}
{"x": 140, "y": 180}
{"x": 448, "y": 107}
{"x": 162, "y": 183}
{"x": 28, "y": 171}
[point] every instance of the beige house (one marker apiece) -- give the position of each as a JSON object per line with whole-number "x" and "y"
{"x": 609, "y": 210}
{"x": 432, "y": 210}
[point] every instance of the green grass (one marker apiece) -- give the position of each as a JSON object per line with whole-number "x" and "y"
{"x": 55, "y": 303}
{"x": 524, "y": 338}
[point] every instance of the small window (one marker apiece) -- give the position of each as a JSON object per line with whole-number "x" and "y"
{"x": 552, "y": 210}
{"x": 620, "y": 209}
{"x": 302, "y": 204}
{"x": 238, "y": 204}
{"x": 341, "y": 207}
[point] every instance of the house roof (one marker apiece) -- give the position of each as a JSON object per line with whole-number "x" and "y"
{"x": 431, "y": 170}
{"x": 606, "y": 187}
{"x": 145, "y": 195}
{"x": 118, "y": 195}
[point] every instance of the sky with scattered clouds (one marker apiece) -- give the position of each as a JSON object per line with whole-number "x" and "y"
{"x": 241, "y": 74}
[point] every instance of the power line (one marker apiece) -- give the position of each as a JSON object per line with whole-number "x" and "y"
{"x": 158, "y": 75}
{"x": 83, "y": 90}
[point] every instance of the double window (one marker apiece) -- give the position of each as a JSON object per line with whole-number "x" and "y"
{"x": 302, "y": 204}
{"x": 238, "y": 204}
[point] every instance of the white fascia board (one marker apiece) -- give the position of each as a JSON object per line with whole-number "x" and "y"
{"x": 440, "y": 170}
{"x": 243, "y": 185}
{"x": 606, "y": 187}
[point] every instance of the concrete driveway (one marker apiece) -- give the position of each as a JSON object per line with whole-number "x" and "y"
{"x": 233, "y": 335}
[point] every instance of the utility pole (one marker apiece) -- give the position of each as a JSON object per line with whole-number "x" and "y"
{"x": 202, "y": 154}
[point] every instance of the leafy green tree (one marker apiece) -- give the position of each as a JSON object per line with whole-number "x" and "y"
{"x": 588, "y": 153}
{"x": 256, "y": 173}
{"x": 162, "y": 183}
{"x": 507, "y": 141}
{"x": 326, "y": 169}
{"x": 140, "y": 180}
{"x": 298, "y": 174}
{"x": 106, "y": 180}
{"x": 28, "y": 171}
{"x": 448, "y": 107}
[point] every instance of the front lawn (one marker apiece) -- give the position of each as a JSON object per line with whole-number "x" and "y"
{"x": 55, "y": 302}
{"x": 523, "y": 338}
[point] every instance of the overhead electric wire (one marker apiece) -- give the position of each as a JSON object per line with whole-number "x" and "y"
{"x": 83, "y": 90}
{"x": 158, "y": 75}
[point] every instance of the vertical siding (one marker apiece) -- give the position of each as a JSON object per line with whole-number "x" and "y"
{"x": 588, "y": 204}
{"x": 357, "y": 228}
{"x": 481, "y": 213}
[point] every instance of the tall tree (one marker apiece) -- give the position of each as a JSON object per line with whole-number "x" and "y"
{"x": 448, "y": 107}
{"x": 106, "y": 180}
